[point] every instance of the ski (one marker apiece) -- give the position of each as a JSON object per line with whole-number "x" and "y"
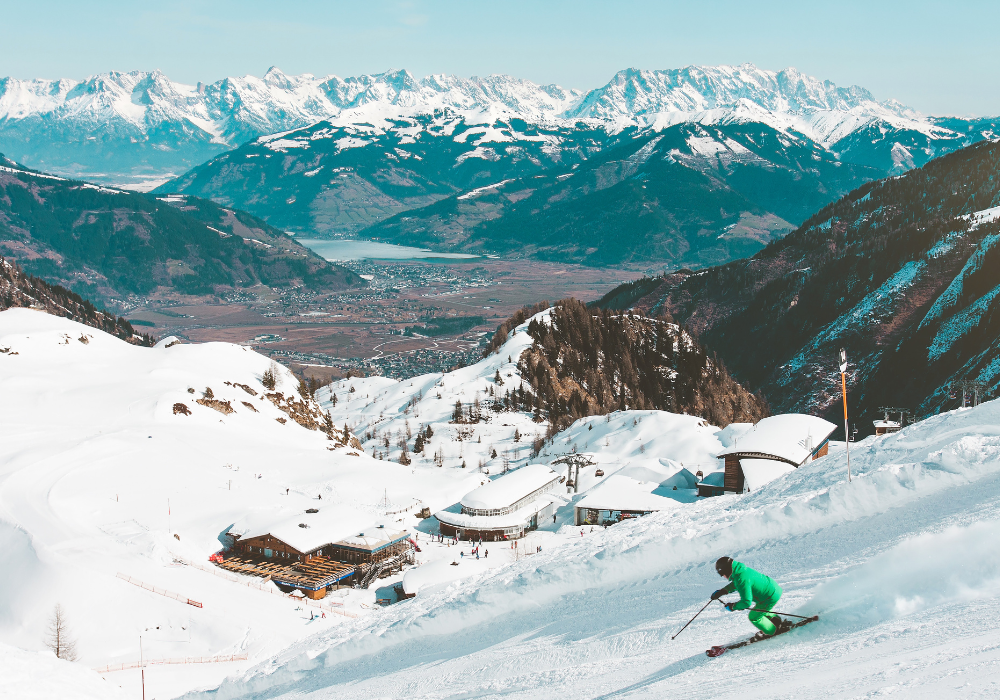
{"x": 720, "y": 650}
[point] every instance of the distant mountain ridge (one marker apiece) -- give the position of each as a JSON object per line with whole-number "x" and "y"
{"x": 110, "y": 245}
{"x": 122, "y": 127}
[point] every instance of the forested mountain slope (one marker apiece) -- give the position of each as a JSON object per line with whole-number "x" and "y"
{"x": 687, "y": 195}
{"x": 687, "y": 167}
{"x": 901, "y": 272}
{"x": 336, "y": 179}
{"x": 579, "y": 364}
{"x": 20, "y": 290}
{"x": 108, "y": 244}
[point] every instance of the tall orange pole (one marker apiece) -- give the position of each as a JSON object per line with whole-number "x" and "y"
{"x": 843, "y": 388}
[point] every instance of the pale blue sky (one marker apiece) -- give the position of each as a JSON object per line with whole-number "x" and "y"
{"x": 941, "y": 58}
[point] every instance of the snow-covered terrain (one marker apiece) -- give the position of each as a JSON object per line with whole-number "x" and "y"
{"x": 101, "y": 475}
{"x": 901, "y": 563}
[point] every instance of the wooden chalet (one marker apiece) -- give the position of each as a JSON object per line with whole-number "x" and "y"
{"x": 885, "y": 427}
{"x": 772, "y": 447}
{"x": 314, "y": 554}
{"x": 620, "y": 498}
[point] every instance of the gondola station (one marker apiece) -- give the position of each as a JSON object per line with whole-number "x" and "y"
{"x": 505, "y": 508}
{"x": 315, "y": 554}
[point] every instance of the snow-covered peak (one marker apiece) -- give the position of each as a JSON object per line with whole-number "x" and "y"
{"x": 633, "y": 92}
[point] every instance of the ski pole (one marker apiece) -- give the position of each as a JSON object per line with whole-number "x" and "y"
{"x": 692, "y": 619}
{"x": 804, "y": 617}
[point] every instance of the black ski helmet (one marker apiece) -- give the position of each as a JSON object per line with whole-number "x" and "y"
{"x": 724, "y": 566}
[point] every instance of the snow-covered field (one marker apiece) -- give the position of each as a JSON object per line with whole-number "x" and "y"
{"x": 901, "y": 563}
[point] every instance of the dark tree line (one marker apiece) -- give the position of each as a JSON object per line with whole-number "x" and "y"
{"x": 504, "y": 329}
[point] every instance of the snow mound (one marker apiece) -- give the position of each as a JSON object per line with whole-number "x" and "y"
{"x": 39, "y": 675}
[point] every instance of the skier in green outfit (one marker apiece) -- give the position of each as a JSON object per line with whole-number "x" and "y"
{"x": 755, "y": 589}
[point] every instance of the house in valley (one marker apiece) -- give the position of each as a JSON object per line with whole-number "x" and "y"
{"x": 774, "y": 446}
{"x": 504, "y": 508}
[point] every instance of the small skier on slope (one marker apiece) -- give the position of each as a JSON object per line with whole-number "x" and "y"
{"x": 755, "y": 589}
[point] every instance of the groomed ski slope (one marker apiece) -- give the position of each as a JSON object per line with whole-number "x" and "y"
{"x": 902, "y": 564}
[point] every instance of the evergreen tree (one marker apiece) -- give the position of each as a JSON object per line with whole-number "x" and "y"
{"x": 269, "y": 380}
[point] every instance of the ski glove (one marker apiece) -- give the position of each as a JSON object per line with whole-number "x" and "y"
{"x": 718, "y": 594}
{"x": 729, "y": 606}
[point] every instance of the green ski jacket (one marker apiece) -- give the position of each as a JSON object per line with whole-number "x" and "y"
{"x": 753, "y": 587}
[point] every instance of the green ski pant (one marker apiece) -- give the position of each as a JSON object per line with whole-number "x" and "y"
{"x": 759, "y": 617}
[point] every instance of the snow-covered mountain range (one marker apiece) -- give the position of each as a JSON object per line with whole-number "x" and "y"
{"x": 123, "y": 127}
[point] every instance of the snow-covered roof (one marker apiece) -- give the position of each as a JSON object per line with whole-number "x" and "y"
{"x": 729, "y": 435}
{"x": 374, "y": 537}
{"x": 790, "y": 437}
{"x": 717, "y": 479}
{"x": 758, "y": 472}
{"x": 623, "y": 493}
{"x": 886, "y": 424}
{"x": 330, "y": 525}
{"x": 454, "y": 517}
{"x": 507, "y": 490}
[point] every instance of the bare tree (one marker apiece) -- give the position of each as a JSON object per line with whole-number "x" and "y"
{"x": 58, "y": 638}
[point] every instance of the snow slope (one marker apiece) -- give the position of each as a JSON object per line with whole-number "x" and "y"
{"x": 901, "y": 564}
{"x": 41, "y": 676}
{"x": 103, "y": 476}
{"x": 99, "y": 476}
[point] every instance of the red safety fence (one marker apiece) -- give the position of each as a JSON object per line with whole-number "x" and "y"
{"x": 178, "y": 660}
{"x": 159, "y": 591}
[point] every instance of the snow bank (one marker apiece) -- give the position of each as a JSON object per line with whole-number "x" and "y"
{"x": 445, "y": 571}
{"x": 39, "y": 675}
{"x": 960, "y": 564}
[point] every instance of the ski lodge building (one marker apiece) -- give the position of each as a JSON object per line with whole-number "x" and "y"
{"x": 620, "y": 498}
{"x": 315, "y": 553}
{"x": 773, "y": 447}
{"x": 504, "y": 508}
